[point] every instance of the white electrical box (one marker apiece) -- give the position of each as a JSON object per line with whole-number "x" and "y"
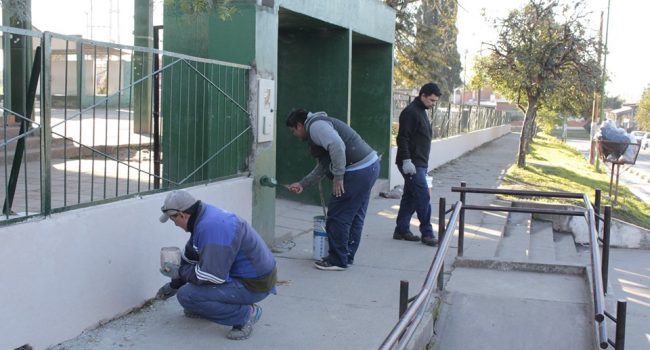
{"x": 266, "y": 110}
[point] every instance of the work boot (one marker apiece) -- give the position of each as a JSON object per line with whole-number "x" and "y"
{"x": 429, "y": 240}
{"x": 406, "y": 236}
{"x": 327, "y": 266}
{"x": 244, "y": 331}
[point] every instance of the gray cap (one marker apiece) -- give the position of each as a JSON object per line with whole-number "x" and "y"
{"x": 176, "y": 202}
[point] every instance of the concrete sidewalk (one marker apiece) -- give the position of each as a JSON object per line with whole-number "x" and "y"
{"x": 353, "y": 309}
{"x": 313, "y": 309}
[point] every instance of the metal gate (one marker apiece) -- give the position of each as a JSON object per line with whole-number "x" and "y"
{"x": 103, "y": 121}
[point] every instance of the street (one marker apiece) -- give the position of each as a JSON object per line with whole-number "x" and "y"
{"x": 635, "y": 177}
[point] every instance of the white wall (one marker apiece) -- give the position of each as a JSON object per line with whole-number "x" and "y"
{"x": 65, "y": 273}
{"x": 445, "y": 150}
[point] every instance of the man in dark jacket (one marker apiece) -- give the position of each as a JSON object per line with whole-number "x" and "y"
{"x": 413, "y": 147}
{"x": 226, "y": 267}
{"x": 353, "y": 167}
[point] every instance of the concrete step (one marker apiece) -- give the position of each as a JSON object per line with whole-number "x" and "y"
{"x": 60, "y": 147}
{"x": 542, "y": 246}
{"x": 515, "y": 242}
{"x": 565, "y": 248}
{"x": 492, "y": 309}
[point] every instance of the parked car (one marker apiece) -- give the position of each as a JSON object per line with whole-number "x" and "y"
{"x": 638, "y": 134}
{"x": 645, "y": 141}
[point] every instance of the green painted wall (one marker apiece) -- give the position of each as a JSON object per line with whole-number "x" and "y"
{"x": 199, "y": 119}
{"x": 249, "y": 37}
{"x": 371, "y": 93}
{"x": 313, "y": 73}
{"x": 208, "y": 36}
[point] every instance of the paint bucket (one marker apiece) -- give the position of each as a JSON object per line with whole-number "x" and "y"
{"x": 321, "y": 245}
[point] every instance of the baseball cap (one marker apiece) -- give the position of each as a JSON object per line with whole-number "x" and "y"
{"x": 176, "y": 202}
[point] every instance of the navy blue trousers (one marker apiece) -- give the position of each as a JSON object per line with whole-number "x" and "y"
{"x": 415, "y": 199}
{"x": 346, "y": 214}
{"x": 228, "y": 304}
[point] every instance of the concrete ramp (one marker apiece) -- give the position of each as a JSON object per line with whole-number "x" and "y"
{"x": 492, "y": 309}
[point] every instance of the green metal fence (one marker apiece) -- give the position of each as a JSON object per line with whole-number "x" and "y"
{"x": 112, "y": 121}
{"x": 448, "y": 119}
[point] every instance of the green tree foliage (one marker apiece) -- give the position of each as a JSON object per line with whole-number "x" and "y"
{"x": 613, "y": 102}
{"x": 543, "y": 57}
{"x": 425, "y": 43}
{"x": 548, "y": 120}
{"x": 643, "y": 114}
{"x": 20, "y": 9}
{"x": 224, "y": 8}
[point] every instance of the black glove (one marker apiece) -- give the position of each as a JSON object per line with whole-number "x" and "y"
{"x": 166, "y": 292}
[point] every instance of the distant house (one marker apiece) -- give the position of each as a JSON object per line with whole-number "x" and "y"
{"x": 625, "y": 117}
{"x": 485, "y": 97}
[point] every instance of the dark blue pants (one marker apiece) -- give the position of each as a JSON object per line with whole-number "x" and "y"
{"x": 228, "y": 303}
{"x": 415, "y": 199}
{"x": 345, "y": 215}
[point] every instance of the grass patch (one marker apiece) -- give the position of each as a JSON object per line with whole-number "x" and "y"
{"x": 555, "y": 166}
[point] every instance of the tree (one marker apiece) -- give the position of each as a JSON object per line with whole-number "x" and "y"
{"x": 225, "y": 8}
{"x": 643, "y": 114}
{"x": 20, "y": 9}
{"x": 543, "y": 57}
{"x": 425, "y": 43}
{"x": 614, "y": 102}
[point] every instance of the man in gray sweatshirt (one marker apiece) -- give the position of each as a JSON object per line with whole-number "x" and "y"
{"x": 353, "y": 166}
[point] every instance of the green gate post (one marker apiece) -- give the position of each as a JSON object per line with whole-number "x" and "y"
{"x": 142, "y": 65}
{"x": 18, "y": 56}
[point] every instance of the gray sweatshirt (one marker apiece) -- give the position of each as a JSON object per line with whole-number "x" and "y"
{"x": 336, "y": 146}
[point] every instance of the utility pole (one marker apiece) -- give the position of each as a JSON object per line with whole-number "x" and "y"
{"x": 595, "y": 114}
{"x": 602, "y": 91}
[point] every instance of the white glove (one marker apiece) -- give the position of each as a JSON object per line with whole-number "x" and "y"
{"x": 407, "y": 167}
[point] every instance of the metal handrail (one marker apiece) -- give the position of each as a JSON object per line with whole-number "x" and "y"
{"x": 590, "y": 215}
{"x": 406, "y": 326}
{"x": 597, "y": 278}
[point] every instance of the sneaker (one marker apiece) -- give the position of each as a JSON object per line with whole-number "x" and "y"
{"x": 190, "y": 314}
{"x": 326, "y": 266}
{"x": 243, "y": 332}
{"x": 429, "y": 240}
{"x": 406, "y": 236}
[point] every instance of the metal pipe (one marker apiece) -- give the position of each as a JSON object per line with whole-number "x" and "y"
{"x": 442, "y": 204}
{"x": 525, "y": 210}
{"x": 606, "y": 239}
{"x": 403, "y": 297}
{"x": 602, "y": 335}
{"x": 599, "y": 303}
{"x": 621, "y": 315}
{"x": 156, "y": 108}
{"x": 464, "y": 189}
{"x": 597, "y": 198}
{"x": 461, "y": 223}
{"x": 46, "y": 126}
{"x": 409, "y": 317}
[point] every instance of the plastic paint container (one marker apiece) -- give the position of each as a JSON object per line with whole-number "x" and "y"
{"x": 321, "y": 245}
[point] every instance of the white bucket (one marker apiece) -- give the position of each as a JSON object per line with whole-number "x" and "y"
{"x": 170, "y": 255}
{"x": 321, "y": 246}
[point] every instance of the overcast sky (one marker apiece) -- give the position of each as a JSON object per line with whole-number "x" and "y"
{"x": 629, "y": 53}
{"x": 627, "y": 61}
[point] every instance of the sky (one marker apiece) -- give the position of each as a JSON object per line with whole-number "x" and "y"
{"x": 103, "y": 20}
{"x": 629, "y": 53}
{"x": 626, "y": 62}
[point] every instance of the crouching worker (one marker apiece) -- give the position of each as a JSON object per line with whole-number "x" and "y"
{"x": 226, "y": 267}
